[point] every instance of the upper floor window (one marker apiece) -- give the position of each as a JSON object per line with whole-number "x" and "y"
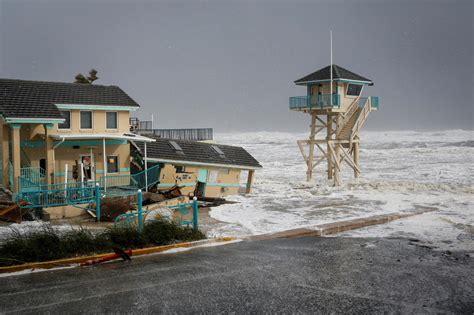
{"x": 111, "y": 120}
{"x": 354, "y": 89}
{"x": 67, "y": 120}
{"x": 86, "y": 119}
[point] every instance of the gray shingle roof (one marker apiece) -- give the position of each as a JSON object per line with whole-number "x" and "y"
{"x": 337, "y": 73}
{"x": 36, "y": 99}
{"x": 199, "y": 152}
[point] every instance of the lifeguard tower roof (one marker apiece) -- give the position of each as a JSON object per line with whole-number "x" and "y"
{"x": 338, "y": 73}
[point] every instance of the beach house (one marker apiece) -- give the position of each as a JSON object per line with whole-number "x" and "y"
{"x": 55, "y": 133}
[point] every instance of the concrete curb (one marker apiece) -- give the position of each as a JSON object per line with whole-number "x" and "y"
{"x": 136, "y": 252}
{"x": 338, "y": 227}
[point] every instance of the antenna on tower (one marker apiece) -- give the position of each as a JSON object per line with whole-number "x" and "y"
{"x": 330, "y": 36}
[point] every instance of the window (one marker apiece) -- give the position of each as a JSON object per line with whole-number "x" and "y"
{"x": 86, "y": 120}
{"x": 213, "y": 176}
{"x": 180, "y": 169}
{"x": 67, "y": 122}
{"x": 224, "y": 171}
{"x": 112, "y": 164}
{"x": 354, "y": 89}
{"x": 111, "y": 120}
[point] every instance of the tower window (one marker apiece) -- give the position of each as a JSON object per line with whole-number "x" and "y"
{"x": 354, "y": 89}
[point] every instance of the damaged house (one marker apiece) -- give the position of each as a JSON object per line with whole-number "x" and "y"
{"x": 201, "y": 169}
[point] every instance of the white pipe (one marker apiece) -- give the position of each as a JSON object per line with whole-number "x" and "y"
{"x": 82, "y": 174}
{"x": 105, "y": 163}
{"x": 146, "y": 169}
{"x": 65, "y": 180}
{"x": 92, "y": 163}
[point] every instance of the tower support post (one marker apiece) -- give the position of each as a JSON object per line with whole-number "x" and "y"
{"x": 312, "y": 135}
{"x": 328, "y": 151}
{"x": 355, "y": 148}
{"x": 337, "y": 162}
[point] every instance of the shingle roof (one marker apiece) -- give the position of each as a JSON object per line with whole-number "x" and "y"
{"x": 337, "y": 73}
{"x": 199, "y": 152}
{"x": 36, "y": 99}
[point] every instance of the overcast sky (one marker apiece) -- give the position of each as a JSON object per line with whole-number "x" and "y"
{"x": 231, "y": 65}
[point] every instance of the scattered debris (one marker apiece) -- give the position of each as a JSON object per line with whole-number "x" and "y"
{"x": 125, "y": 255}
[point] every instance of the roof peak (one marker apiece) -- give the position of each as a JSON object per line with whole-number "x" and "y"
{"x": 54, "y": 82}
{"x": 338, "y": 72}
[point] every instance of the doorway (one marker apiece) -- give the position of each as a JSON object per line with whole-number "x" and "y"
{"x": 201, "y": 183}
{"x": 88, "y": 167}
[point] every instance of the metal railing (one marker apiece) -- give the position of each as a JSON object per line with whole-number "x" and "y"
{"x": 132, "y": 182}
{"x": 374, "y": 102}
{"x": 190, "y": 134}
{"x": 362, "y": 101}
{"x": 43, "y": 196}
{"x": 138, "y": 217}
{"x": 315, "y": 101}
{"x": 25, "y": 184}
{"x": 34, "y": 174}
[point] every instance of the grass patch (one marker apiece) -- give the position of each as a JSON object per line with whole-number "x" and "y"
{"x": 48, "y": 244}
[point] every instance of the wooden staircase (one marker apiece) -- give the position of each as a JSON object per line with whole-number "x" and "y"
{"x": 354, "y": 122}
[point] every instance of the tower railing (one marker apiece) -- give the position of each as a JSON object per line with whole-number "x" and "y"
{"x": 315, "y": 101}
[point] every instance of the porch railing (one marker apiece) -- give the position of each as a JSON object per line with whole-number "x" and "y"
{"x": 34, "y": 174}
{"x": 58, "y": 194}
{"x": 314, "y": 101}
{"x": 132, "y": 182}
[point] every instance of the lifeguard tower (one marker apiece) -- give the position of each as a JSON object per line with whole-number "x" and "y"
{"x": 338, "y": 112}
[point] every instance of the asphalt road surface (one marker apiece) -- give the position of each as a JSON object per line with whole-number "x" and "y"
{"x": 298, "y": 275}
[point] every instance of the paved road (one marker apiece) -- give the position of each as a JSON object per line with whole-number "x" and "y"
{"x": 305, "y": 275}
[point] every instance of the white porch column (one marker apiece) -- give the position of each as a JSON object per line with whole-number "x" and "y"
{"x": 104, "y": 153}
{"x": 146, "y": 169}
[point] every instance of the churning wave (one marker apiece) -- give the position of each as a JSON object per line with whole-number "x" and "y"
{"x": 401, "y": 171}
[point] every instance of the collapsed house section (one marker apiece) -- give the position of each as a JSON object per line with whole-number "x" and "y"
{"x": 200, "y": 169}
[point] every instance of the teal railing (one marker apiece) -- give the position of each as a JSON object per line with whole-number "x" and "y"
{"x": 374, "y": 102}
{"x": 131, "y": 182}
{"x": 362, "y": 101}
{"x": 43, "y": 196}
{"x": 314, "y": 101}
{"x": 26, "y": 184}
{"x": 34, "y": 174}
{"x": 139, "y": 216}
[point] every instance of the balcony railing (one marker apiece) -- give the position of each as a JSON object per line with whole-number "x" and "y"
{"x": 318, "y": 101}
{"x": 374, "y": 102}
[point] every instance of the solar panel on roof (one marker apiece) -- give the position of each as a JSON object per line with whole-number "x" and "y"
{"x": 219, "y": 151}
{"x": 177, "y": 148}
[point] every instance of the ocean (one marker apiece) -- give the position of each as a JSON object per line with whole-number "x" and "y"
{"x": 401, "y": 171}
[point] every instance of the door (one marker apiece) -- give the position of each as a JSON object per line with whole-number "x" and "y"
{"x": 201, "y": 183}
{"x": 202, "y": 175}
{"x": 88, "y": 167}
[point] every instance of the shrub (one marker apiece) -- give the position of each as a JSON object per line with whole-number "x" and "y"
{"x": 48, "y": 244}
